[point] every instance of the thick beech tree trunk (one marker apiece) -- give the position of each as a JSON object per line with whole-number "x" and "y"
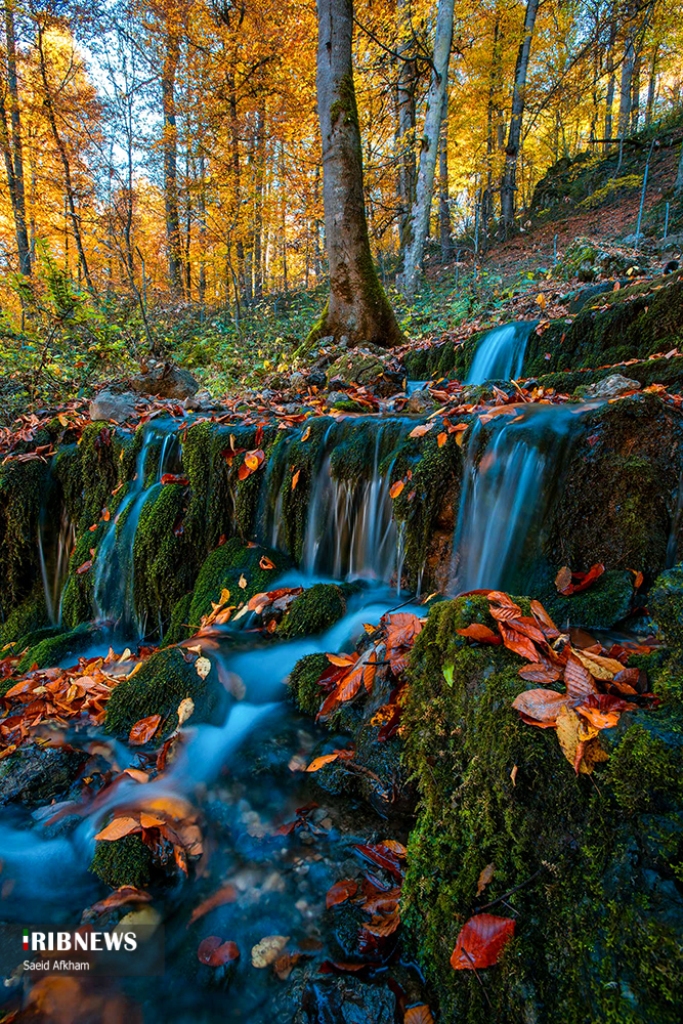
{"x": 419, "y": 226}
{"x": 170, "y": 148}
{"x": 405, "y": 139}
{"x": 509, "y": 185}
{"x": 357, "y": 307}
{"x": 12, "y": 145}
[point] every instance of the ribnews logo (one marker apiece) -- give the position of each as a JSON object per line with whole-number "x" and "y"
{"x": 121, "y": 951}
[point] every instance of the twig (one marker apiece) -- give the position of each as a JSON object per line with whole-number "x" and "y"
{"x": 476, "y": 974}
{"x": 501, "y": 899}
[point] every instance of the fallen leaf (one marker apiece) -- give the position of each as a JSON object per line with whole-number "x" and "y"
{"x": 341, "y": 892}
{"x": 242, "y": 582}
{"x": 215, "y": 953}
{"x": 421, "y": 429}
{"x": 396, "y": 489}
{"x": 266, "y": 563}
{"x": 418, "y": 1015}
{"x": 485, "y": 878}
{"x": 477, "y": 631}
{"x": 441, "y": 439}
{"x": 540, "y": 706}
{"x": 295, "y": 477}
{"x": 481, "y": 941}
{"x": 227, "y": 894}
{"x": 185, "y": 710}
{"x": 118, "y": 828}
{"x": 324, "y": 759}
{"x": 577, "y": 739}
{"x": 144, "y": 730}
{"x": 202, "y": 667}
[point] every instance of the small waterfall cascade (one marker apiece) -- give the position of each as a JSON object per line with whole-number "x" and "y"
{"x": 54, "y": 551}
{"x": 350, "y": 529}
{"x": 509, "y": 476}
{"x": 500, "y": 353}
{"x": 114, "y": 578}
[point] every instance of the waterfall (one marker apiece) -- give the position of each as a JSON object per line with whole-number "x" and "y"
{"x": 500, "y": 353}
{"x": 350, "y": 529}
{"x": 509, "y": 474}
{"x": 114, "y": 578}
{"x": 54, "y": 552}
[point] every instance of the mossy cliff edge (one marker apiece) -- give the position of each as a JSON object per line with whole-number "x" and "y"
{"x": 598, "y": 860}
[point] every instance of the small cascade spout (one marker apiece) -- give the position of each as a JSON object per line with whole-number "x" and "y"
{"x": 114, "y": 580}
{"x": 54, "y": 552}
{"x": 350, "y": 529}
{"x": 510, "y": 475}
{"x": 500, "y": 353}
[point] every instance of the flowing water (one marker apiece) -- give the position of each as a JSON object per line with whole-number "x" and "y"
{"x": 244, "y": 777}
{"x": 114, "y": 578}
{"x": 500, "y": 353}
{"x": 54, "y": 552}
{"x": 512, "y": 467}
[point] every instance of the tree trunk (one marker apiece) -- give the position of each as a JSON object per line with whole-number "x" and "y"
{"x": 170, "y": 147}
{"x": 611, "y": 82}
{"x": 419, "y": 228}
{"x": 493, "y": 121}
{"x": 13, "y": 147}
{"x": 678, "y": 187}
{"x": 626, "y": 84}
{"x": 69, "y": 199}
{"x": 509, "y": 184}
{"x": 357, "y": 305}
{"x": 652, "y": 84}
{"x": 635, "y": 93}
{"x": 405, "y": 139}
{"x": 445, "y": 233}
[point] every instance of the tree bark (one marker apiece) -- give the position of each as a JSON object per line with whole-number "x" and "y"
{"x": 357, "y": 307}
{"x": 509, "y": 184}
{"x": 419, "y": 228}
{"x": 678, "y": 187}
{"x": 170, "y": 148}
{"x": 626, "y": 83}
{"x": 611, "y": 82}
{"x": 13, "y": 147}
{"x": 445, "y": 231}
{"x": 405, "y": 139}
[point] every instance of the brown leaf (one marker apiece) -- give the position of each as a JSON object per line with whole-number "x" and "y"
{"x": 268, "y": 950}
{"x": 341, "y": 892}
{"x": 84, "y": 567}
{"x": 540, "y": 705}
{"x": 144, "y": 730}
{"x": 227, "y": 894}
{"x": 266, "y": 563}
{"x": 421, "y": 429}
{"x": 579, "y": 680}
{"x": 502, "y": 607}
{"x": 215, "y": 953}
{"x": 418, "y": 1015}
{"x": 118, "y": 828}
{"x": 541, "y": 673}
{"x": 481, "y": 633}
{"x": 517, "y": 642}
{"x": 485, "y": 878}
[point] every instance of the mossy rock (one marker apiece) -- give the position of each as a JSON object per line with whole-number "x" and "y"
{"x": 179, "y": 629}
{"x": 605, "y": 603}
{"x": 50, "y": 650}
{"x": 616, "y": 503}
{"x": 157, "y": 688}
{"x": 24, "y": 488}
{"x": 303, "y": 683}
{"x": 599, "y": 922}
{"x": 126, "y": 861}
{"x": 23, "y": 621}
{"x": 665, "y": 604}
{"x": 36, "y": 775}
{"x": 356, "y": 367}
{"x": 314, "y": 611}
{"x": 229, "y": 564}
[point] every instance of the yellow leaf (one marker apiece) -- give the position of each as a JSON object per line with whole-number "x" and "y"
{"x": 202, "y": 667}
{"x": 242, "y": 582}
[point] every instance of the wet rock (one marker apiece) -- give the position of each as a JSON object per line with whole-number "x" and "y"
{"x": 345, "y": 1000}
{"x": 579, "y": 299}
{"x": 108, "y": 405}
{"x": 165, "y": 381}
{"x": 317, "y": 379}
{"x": 419, "y": 402}
{"x": 358, "y": 367}
{"x": 604, "y": 604}
{"x": 612, "y": 386}
{"x": 335, "y": 397}
{"x": 34, "y": 775}
{"x": 202, "y": 400}
{"x": 665, "y": 604}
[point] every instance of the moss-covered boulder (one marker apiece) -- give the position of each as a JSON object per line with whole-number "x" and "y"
{"x": 240, "y": 568}
{"x": 616, "y": 503}
{"x": 164, "y": 680}
{"x": 314, "y": 611}
{"x": 303, "y": 683}
{"x": 356, "y": 367}
{"x": 605, "y": 603}
{"x": 24, "y": 487}
{"x": 665, "y": 604}
{"x": 126, "y": 861}
{"x": 591, "y": 867}
{"x": 49, "y": 650}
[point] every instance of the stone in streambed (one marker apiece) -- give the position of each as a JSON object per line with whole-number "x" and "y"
{"x": 109, "y": 405}
{"x": 239, "y": 568}
{"x": 602, "y": 605}
{"x": 314, "y": 611}
{"x": 36, "y": 775}
{"x": 165, "y": 381}
{"x": 612, "y": 386}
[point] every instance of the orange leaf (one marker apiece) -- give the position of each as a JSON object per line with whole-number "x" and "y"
{"x": 502, "y": 607}
{"x": 228, "y": 894}
{"x": 396, "y": 489}
{"x": 85, "y": 567}
{"x": 580, "y": 682}
{"x": 421, "y": 429}
{"x": 477, "y": 631}
{"x": 319, "y": 762}
{"x": 143, "y": 730}
{"x": 118, "y": 828}
{"x": 517, "y": 642}
{"x": 295, "y": 479}
{"x": 540, "y": 673}
{"x": 441, "y": 439}
{"x": 540, "y": 705}
{"x": 418, "y": 1015}
{"x": 481, "y": 942}
{"x": 266, "y": 563}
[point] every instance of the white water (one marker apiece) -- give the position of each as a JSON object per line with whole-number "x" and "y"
{"x": 54, "y": 564}
{"x": 505, "y": 493}
{"x": 500, "y": 353}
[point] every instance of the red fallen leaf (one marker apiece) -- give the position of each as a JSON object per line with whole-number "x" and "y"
{"x": 174, "y": 478}
{"x": 548, "y": 627}
{"x": 540, "y": 705}
{"x": 227, "y": 894}
{"x": 484, "y": 635}
{"x": 341, "y": 892}
{"x": 580, "y": 683}
{"x": 85, "y": 567}
{"x": 121, "y": 897}
{"x": 384, "y": 857}
{"x": 568, "y": 582}
{"x": 481, "y": 941}
{"x": 143, "y": 731}
{"x": 215, "y": 953}
{"x": 517, "y": 642}
{"x": 266, "y": 563}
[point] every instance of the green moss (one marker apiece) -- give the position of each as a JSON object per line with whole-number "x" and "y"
{"x": 164, "y": 680}
{"x": 666, "y": 605}
{"x": 597, "y": 936}
{"x": 605, "y": 603}
{"x": 24, "y": 487}
{"x": 126, "y": 861}
{"x": 314, "y": 611}
{"x": 226, "y": 566}
{"x": 178, "y": 629}
{"x": 51, "y": 650}
{"x": 25, "y": 619}
{"x": 303, "y": 683}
